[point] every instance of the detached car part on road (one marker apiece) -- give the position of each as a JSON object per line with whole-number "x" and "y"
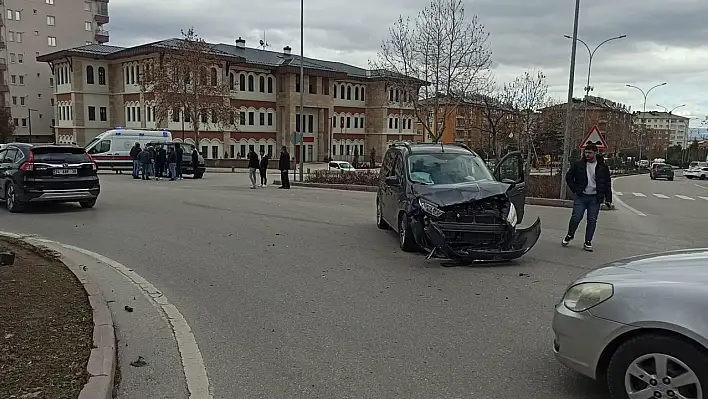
{"x": 442, "y": 198}
{"x": 41, "y": 173}
{"x": 639, "y": 325}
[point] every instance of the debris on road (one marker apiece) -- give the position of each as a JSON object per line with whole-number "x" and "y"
{"x": 139, "y": 363}
{"x": 128, "y": 309}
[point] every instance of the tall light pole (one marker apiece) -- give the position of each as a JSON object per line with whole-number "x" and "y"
{"x": 644, "y": 109}
{"x": 569, "y": 112}
{"x": 672, "y": 109}
{"x": 302, "y": 90}
{"x": 591, "y": 54}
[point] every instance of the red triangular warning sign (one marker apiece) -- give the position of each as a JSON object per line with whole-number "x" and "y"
{"x": 596, "y": 138}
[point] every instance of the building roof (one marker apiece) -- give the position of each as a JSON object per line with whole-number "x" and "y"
{"x": 658, "y": 115}
{"x": 265, "y": 58}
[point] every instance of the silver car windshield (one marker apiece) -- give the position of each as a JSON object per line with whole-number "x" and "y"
{"x": 447, "y": 168}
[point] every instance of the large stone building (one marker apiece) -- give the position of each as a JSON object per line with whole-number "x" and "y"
{"x": 31, "y": 28}
{"x": 347, "y": 109}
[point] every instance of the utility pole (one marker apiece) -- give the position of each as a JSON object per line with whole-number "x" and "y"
{"x": 302, "y": 90}
{"x": 569, "y": 112}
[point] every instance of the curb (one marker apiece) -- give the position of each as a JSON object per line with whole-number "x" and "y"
{"x": 102, "y": 361}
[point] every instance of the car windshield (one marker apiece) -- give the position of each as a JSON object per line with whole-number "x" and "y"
{"x": 60, "y": 155}
{"x": 345, "y": 165}
{"x": 447, "y": 168}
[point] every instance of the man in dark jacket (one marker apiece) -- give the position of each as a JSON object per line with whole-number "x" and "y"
{"x": 263, "y": 169}
{"x": 195, "y": 162}
{"x": 253, "y": 166}
{"x": 172, "y": 164}
{"x": 145, "y": 160}
{"x": 590, "y": 181}
{"x": 136, "y": 164}
{"x": 160, "y": 161}
{"x": 179, "y": 151}
{"x": 284, "y": 166}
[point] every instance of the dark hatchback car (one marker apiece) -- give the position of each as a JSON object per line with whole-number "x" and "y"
{"x": 42, "y": 173}
{"x": 444, "y": 200}
{"x": 661, "y": 171}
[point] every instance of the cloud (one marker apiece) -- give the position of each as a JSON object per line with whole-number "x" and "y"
{"x": 665, "y": 39}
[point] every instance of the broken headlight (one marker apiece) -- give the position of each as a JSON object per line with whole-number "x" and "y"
{"x": 430, "y": 209}
{"x": 511, "y": 217}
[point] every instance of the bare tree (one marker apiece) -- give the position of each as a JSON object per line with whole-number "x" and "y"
{"x": 7, "y": 128}
{"x": 499, "y": 114}
{"x": 531, "y": 95}
{"x": 443, "y": 50}
{"x": 186, "y": 79}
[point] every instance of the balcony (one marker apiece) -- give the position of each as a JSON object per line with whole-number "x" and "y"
{"x": 101, "y": 35}
{"x": 4, "y": 88}
{"x": 101, "y": 16}
{"x": 3, "y": 64}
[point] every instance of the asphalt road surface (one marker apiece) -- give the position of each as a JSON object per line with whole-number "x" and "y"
{"x": 296, "y": 293}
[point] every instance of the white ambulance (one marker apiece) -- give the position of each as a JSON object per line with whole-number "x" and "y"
{"x": 111, "y": 149}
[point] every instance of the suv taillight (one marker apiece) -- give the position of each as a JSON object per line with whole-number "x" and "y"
{"x": 93, "y": 163}
{"x": 29, "y": 165}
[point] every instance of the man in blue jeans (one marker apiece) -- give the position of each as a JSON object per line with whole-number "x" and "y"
{"x": 589, "y": 179}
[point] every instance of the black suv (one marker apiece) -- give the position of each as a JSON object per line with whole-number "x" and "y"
{"x": 661, "y": 170}
{"x": 443, "y": 199}
{"x": 47, "y": 173}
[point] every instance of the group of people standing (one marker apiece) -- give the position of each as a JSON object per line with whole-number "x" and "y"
{"x": 261, "y": 165}
{"x": 155, "y": 160}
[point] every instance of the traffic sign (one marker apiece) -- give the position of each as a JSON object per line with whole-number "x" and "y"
{"x": 596, "y": 138}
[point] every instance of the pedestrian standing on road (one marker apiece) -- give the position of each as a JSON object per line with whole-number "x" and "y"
{"x": 195, "y": 162}
{"x": 590, "y": 180}
{"x": 253, "y": 166}
{"x": 134, "y": 156}
{"x": 153, "y": 157}
{"x": 172, "y": 164}
{"x": 284, "y": 167}
{"x": 145, "y": 163}
{"x": 263, "y": 169}
{"x": 179, "y": 151}
{"x": 160, "y": 161}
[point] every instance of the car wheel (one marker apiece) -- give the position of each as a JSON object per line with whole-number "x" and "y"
{"x": 405, "y": 236}
{"x": 11, "y": 199}
{"x": 703, "y": 177}
{"x": 88, "y": 203}
{"x": 671, "y": 178}
{"x": 380, "y": 223}
{"x": 198, "y": 175}
{"x": 689, "y": 177}
{"x": 656, "y": 366}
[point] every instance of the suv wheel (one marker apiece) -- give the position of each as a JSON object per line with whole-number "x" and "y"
{"x": 405, "y": 236}
{"x": 88, "y": 203}
{"x": 11, "y": 199}
{"x": 380, "y": 223}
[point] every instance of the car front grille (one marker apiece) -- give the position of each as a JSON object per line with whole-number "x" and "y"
{"x": 486, "y": 211}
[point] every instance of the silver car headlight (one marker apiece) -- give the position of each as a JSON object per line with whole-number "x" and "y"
{"x": 584, "y": 296}
{"x": 512, "y": 218}
{"x": 430, "y": 209}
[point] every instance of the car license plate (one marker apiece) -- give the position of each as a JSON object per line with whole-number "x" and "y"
{"x": 65, "y": 172}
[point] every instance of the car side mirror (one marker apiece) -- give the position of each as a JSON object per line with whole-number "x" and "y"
{"x": 509, "y": 181}
{"x": 392, "y": 181}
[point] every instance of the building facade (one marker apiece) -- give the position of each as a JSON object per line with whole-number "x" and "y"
{"x": 29, "y": 29}
{"x": 347, "y": 110}
{"x": 674, "y": 128}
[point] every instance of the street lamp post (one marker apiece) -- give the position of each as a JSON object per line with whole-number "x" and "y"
{"x": 302, "y": 89}
{"x": 644, "y": 109}
{"x": 672, "y": 109}
{"x": 591, "y": 54}
{"x": 669, "y": 129}
{"x": 569, "y": 112}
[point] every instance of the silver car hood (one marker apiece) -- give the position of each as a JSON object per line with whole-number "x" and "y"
{"x": 689, "y": 266}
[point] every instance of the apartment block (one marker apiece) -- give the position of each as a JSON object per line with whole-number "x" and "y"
{"x": 31, "y": 28}
{"x": 674, "y": 128}
{"x": 346, "y": 109}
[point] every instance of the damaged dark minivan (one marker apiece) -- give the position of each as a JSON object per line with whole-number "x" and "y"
{"x": 444, "y": 200}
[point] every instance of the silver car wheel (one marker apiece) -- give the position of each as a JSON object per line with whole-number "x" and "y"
{"x": 378, "y": 212}
{"x": 657, "y": 375}
{"x": 10, "y": 197}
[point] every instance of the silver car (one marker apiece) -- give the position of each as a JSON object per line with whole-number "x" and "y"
{"x": 640, "y": 325}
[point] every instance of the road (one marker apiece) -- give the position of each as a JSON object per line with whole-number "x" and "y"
{"x": 296, "y": 293}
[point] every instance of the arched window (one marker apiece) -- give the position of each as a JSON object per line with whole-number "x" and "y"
{"x": 101, "y": 76}
{"x": 349, "y": 92}
{"x": 250, "y": 83}
{"x": 261, "y": 84}
{"x": 335, "y": 91}
{"x": 242, "y": 82}
{"x": 187, "y": 77}
{"x": 89, "y": 75}
{"x": 270, "y": 84}
{"x": 341, "y": 92}
{"x": 203, "y": 77}
{"x": 356, "y": 93}
{"x": 232, "y": 81}
{"x": 362, "y": 94}
{"x": 214, "y": 80}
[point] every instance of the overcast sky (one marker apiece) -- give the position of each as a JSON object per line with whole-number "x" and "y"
{"x": 666, "y": 40}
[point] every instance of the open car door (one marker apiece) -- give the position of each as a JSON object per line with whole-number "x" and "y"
{"x": 510, "y": 170}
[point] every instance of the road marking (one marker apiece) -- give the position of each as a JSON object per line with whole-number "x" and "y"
{"x": 639, "y": 195}
{"x": 704, "y": 198}
{"x": 661, "y": 196}
{"x": 192, "y": 361}
{"x": 685, "y": 197}
{"x": 618, "y": 193}
{"x": 622, "y": 203}
{"x": 698, "y": 185}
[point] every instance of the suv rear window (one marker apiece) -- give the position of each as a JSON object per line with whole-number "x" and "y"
{"x": 60, "y": 155}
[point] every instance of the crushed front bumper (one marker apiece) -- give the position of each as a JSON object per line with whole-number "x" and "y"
{"x": 435, "y": 237}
